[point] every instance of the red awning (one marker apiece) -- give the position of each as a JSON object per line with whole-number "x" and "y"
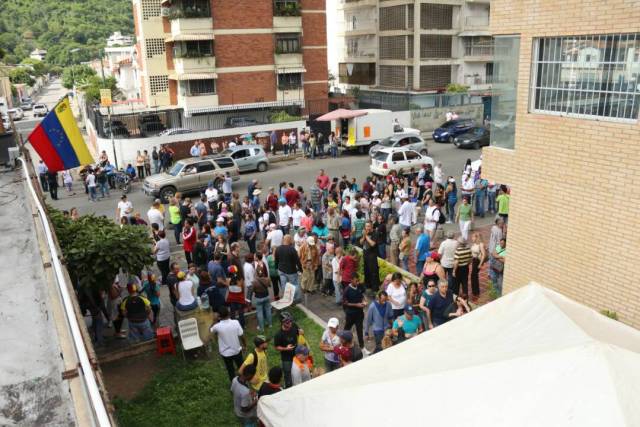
{"x": 340, "y": 114}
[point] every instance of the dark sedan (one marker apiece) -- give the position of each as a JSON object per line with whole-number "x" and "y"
{"x": 474, "y": 138}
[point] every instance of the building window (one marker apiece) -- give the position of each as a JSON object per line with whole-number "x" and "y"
{"x": 150, "y": 9}
{"x": 393, "y": 18}
{"x": 505, "y": 80}
{"x": 587, "y": 76}
{"x": 158, "y": 84}
{"x": 288, "y": 43}
{"x": 154, "y": 47}
{"x": 435, "y": 46}
{"x": 393, "y": 76}
{"x": 193, "y": 49}
{"x": 357, "y": 73}
{"x": 286, "y": 8}
{"x": 288, "y": 81}
{"x": 434, "y": 77}
{"x": 189, "y": 9}
{"x": 198, "y": 87}
{"x": 393, "y": 47}
{"x": 436, "y": 16}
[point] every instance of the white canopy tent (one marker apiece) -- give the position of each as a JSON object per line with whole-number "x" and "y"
{"x": 531, "y": 358}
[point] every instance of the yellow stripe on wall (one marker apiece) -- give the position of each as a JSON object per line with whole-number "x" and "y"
{"x": 65, "y": 116}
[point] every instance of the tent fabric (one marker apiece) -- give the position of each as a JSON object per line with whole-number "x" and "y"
{"x": 340, "y": 114}
{"x": 530, "y": 358}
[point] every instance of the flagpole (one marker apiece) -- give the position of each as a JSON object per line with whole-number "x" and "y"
{"x": 113, "y": 142}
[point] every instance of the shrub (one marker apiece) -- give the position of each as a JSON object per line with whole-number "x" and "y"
{"x": 610, "y": 314}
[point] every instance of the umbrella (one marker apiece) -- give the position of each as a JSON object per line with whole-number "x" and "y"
{"x": 341, "y": 113}
{"x": 246, "y": 136}
{"x": 262, "y": 135}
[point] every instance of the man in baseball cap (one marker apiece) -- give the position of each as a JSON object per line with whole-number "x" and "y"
{"x": 257, "y": 358}
{"x": 302, "y": 366}
{"x": 329, "y": 341}
{"x": 407, "y": 325}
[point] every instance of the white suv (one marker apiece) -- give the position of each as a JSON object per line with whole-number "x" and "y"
{"x": 402, "y": 140}
{"x": 40, "y": 110}
{"x": 400, "y": 160}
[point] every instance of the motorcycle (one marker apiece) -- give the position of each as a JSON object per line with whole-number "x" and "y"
{"x": 123, "y": 181}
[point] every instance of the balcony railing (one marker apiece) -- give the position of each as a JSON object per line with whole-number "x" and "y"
{"x": 484, "y": 50}
{"x": 359, "y": 53}
{"x": 359, "y": 25}
{"x": 478, "y": 80}
{"x": 476, "y": 21}
{"x": 286, "y": 8}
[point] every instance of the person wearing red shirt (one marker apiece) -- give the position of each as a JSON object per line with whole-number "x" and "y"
{"x": 323, "y": 182}
{"x": 348, "y": 267}
{"x": 272, "y": 200}
{"x": 292, "y": 196}
{"x": 189, "y": 238}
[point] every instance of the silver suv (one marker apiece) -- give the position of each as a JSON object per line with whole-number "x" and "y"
{"x": 190, "y": 175}
{"x": 248, "y": 157}
{"x": 407, "y": 140}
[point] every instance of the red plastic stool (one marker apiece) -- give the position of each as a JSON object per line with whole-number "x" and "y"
{"x": 164, "y": 341}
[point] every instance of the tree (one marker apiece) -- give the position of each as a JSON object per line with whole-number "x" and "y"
{"x": 95, "y": 248}
{"x": 21, "y": 75}
{"x": 93, "y": 84}
{"x": 39, "y": 68}
{"x": 76, "y": 74}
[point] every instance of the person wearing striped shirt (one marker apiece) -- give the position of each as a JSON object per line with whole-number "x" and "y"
{"x": 461, "y": 262}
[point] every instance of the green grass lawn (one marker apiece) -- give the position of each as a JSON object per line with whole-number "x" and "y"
{"x": 196, "y": 393}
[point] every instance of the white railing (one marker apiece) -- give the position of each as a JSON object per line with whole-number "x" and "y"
{"x": 86, "y": 370}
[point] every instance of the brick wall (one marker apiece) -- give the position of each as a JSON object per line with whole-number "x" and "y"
{"x": 314, "y": 26}
{"x": 173, "y": 92}
{"x": 242, "y": 13}
{"x": 169, "y": 56}
{"x": 573, "y": 213}
{"x": 244, "y": 50}
{"x": 313, "y": 4}
{"x": 238, "y": 88}
{"x": 315, "y": 62}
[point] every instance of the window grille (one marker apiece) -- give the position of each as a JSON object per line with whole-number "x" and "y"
{"x": 393, "y": 18}
{"x": 436, "y": 16}
{"x": 435, "y": 46}
{"x": 393, "y": 76}
{"x": 154, "y": 47}
{"x": 150, "y": 9}
{"x": 393, "y": 47}
{"x": 434, "y": 77}
{"x": 158, "y": 84}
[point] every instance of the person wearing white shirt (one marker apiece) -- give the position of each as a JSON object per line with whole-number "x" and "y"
{"x": 125, "y": 208}
{"x": 274, "y": 236}
{"x": 405, "y": 213}
{"x": 335, "y": 267}
{"x": 155, "y": 216}
{"x": 284, "y": 216}
{"x": 230, "y": 336}
{"x": 468, "y": 187}
{"x": 91, "y": 186}
{"x": 249, "y": 272}
{"x": 299, "y": 238}
{"x": 297, "y": 214}
{"x": 186, "y": 300}
{"x": 438, "y": 174}
{"x": 431, "y": 217}
{"x": 212, "y": 195}
{"x": 447, "y": 251}
{"x": 42, "y": 174}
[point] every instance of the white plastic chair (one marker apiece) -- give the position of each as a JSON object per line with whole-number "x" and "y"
{"x": 189, "y": 335}
{"x": 287, "y": 297}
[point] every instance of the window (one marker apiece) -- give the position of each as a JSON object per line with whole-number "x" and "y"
{"x": 393, "y": 76}
{"x": 198, "y": 87}
{"x": 288, "y": 43}
{"x": 435, "y": 46}
{"x": 412, "y": 155}
{"x": 205, "y": 167}
{"x": 434, "y": 76}
{"x": 393, "y": 47}
{"x": 403, "y": 142}
{"x": 154, "y": 47}
{"x": 357, "y": 73}
{"x": 436, "y": 16}
{"x": 397, "y": 157}
{"x": 224, "y": 162}
{"x": 193, "y": 49}
{"x": 286, "y": 8}
{"x": 150, "y": 9}
{"x": 503, "y": 102}
{"x": 158, "y": 84}
{"x": 289, "y": 81}
{"x": 393, "y": 18}
{"x": 416, "y": 140}
{"x": 240, "y": 154}
{"x": 586, "y": 76}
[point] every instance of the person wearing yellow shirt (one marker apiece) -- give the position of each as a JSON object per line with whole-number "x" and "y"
{"x": 257, "y": 358}
{"x": 503, "y": 203}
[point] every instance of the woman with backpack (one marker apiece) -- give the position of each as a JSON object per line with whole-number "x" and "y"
{"x": 261, "y": 284}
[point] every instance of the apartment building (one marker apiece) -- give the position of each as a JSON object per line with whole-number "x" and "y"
{"x": 565, "y": 131}
{"x": 210, "y": 55}
{"x": 414, "y": 45}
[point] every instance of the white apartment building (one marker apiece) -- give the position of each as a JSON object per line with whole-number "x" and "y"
{"x": 414, "y": 45}
{"x": 118, "y": 39}
{"x": 121, "y": 63}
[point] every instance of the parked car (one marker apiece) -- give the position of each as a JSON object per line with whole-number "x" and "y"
{"x": 119, "y": 129}
{"x": 404, "y": 140}
{"x": 190, "y": 175}
{"x": 16, "y": 113}
{"x": 174, "y": 131}
{"x": 449, "y": 130}
{"x": 400, "y": 160}
{"x": 240, "y": 121}
{"x": 6, "y": 124}
{"x": 475, "y": 138}
{"x": 26, "y": 105}
{"x": 248, "y": 157}
{"x": 150, "y": 124}
{"x": 40, "y": 110}
{"x": 397, "y": 129}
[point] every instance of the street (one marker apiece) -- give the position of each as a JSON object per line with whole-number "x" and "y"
{"x": 49, "y": 95}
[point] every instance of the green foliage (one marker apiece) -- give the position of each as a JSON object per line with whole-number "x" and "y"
{"x": 196, "y": 393}
{"x": 610, "y": 314}
{"x": 78, "y": 74}
{"x": 95, "y": 248}
{"x": 283, "y": 116}
{"x": 291, "y": 8}
{"x": 21, "y": 75}
{"x": 456, "y": 88}
{"x": 56, "y": 70}
{"x": 59, "y": 26}
{"x": 93, "y": 85}
{"x": 384, "y": 268}
{"x": 354, "y": 91}
{"x": 39, "y": 68}
{"x": 493, "y": 292}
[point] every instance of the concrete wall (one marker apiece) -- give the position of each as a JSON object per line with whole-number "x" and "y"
{"x": 427, "y": 119}
{"x": 573, "y": 212}
{"x": 126, "y": 149}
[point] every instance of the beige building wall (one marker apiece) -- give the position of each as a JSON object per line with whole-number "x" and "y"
{"x": 574, "y": 215}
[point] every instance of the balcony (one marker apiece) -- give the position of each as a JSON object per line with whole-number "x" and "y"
{"x": 289, "y": 94}
{"x": 201, "y": 64}
{"x": 478, "y": 82}
{"x": 476, "y": 23}
{"x": 355, "y": 4}
{"x": 181, "y": 27}
{"x": 360, "y": 55}
{"x": 288, "y": 60}
{"x": 357, "y": 27}
{"x": 192, "y": 102}
{"x": 478, "y": 53}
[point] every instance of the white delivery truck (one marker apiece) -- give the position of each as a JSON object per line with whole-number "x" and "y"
{"x": 360, "y": 129}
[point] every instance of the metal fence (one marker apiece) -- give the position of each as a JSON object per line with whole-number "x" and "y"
{"x": 151, "y": 123}
{"x": 408, "y": 101}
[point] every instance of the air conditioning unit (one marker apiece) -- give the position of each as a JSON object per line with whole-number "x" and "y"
{"x": 14, "y": 153}
{"x": 165, "y": 11}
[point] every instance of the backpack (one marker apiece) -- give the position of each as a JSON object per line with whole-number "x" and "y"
{"x": 441, "y": 217}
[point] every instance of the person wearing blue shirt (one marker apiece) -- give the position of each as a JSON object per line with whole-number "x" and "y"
{"x": 218, "y": 275}
{"x": 408, "y": 325}
{"x": 423, "y": 247}
{"x": 131, "y": 171}
{"x": 379, "y": 316}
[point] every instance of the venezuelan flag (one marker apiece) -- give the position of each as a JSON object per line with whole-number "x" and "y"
{"x": 58, "y": 141}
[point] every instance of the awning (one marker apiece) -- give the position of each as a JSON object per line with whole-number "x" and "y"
{"x": 340, "y": 114}
{"x": 291, "y": 70}
{"x": 471, "y": 33}
{"x": 193, "y": 76}
{"x": 236, "y": 107}
{"x": 189, "y": 37}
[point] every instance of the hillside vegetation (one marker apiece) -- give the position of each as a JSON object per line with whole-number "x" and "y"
{"x": 59, "y": 26}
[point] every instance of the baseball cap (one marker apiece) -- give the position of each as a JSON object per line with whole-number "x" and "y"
{"x": 346, "y": 335}
{"x": 301, "y": 349}
{"x": 282, "y": 200}
{"x": 232, "y": 269}
{"x": 259, "y": 340}
{"x": 409, "y": 310}
{"x": 333, "y": 323}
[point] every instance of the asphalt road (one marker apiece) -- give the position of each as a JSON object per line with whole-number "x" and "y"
{"x": 49, "y": 95}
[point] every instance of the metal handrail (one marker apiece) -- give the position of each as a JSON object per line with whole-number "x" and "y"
{"x": 100, "y": 411}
